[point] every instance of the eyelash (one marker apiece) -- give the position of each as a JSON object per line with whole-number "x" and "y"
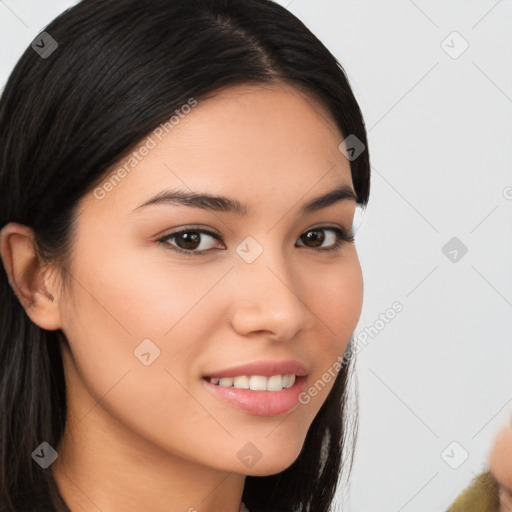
{"x": 343, "y": 235}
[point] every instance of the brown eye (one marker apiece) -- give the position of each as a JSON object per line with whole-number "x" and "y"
{"x": 315, "y": 238}
{"x": 190, "y": 241}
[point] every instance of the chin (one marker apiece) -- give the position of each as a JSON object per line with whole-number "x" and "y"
{"x": 273, "y": 464}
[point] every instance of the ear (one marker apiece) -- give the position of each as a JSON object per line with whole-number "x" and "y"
{"x": 27, "y": 277}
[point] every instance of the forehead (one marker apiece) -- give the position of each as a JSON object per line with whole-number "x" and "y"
{"x": 249, "y": 142}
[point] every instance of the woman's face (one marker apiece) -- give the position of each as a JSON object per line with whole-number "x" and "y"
{"x": 145, "y": 323}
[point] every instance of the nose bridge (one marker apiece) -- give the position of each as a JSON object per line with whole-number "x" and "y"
{"x": 268, "y": 296}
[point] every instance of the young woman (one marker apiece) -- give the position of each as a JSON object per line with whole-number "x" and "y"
{"x": 180, "y": 283}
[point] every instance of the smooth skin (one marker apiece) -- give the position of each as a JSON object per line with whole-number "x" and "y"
{"x": 153, "y": 437}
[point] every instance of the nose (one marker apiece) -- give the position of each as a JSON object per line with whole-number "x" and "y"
{"x": 270, "y": 298}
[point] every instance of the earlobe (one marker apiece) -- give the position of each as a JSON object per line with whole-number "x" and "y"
{"x": 27, "y": 276}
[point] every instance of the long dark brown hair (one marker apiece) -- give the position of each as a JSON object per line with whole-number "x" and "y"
{"x": 120, "y": 69}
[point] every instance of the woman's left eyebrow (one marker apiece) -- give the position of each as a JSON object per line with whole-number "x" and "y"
{"x": 216, "y": 203}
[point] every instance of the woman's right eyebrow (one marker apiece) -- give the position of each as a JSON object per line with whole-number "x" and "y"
{"x": 342, "y": 192}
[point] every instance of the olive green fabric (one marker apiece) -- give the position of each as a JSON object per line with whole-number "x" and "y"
{"x": 482, "y": 495}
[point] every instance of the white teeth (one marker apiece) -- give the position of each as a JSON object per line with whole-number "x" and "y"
{"x": 256, "y": 382}
{"x": 275, "y": 383}
{"x": 241, "y": 382}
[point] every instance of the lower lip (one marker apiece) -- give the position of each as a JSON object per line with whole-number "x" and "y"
{"x": 262, "y": 403}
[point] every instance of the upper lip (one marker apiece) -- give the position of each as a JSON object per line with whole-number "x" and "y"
{"x": 264, "y": 368}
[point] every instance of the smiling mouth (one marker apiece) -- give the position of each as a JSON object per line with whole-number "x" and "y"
{"x": 257, "y": 394}
{"x": 255, "y": 382}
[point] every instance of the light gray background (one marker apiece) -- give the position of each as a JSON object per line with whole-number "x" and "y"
{"x": 440, "y": 140}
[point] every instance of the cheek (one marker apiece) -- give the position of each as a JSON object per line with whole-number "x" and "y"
{"x": 127, "y": 297}
{"x": 116, "y": 306}
{"x": 136, "y": 296}
{"x": 336, "y": 299}
{"x": 337, "y": 304}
